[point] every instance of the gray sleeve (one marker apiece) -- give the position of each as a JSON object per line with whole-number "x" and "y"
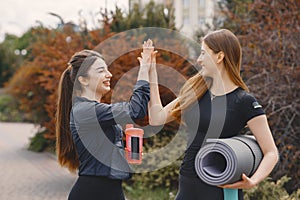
{"x": 124, "y": 112}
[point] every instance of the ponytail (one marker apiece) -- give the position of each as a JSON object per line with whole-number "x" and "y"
{"x": 65, "y": 147}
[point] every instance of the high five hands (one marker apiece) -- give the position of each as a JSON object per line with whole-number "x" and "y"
{"x": 148, "y": 56}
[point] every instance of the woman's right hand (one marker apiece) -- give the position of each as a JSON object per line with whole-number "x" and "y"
{"x": 145, "y": 60}
{"x": 148, "y": 56}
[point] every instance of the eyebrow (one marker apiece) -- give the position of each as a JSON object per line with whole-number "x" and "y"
{"x": 102, "y": 67}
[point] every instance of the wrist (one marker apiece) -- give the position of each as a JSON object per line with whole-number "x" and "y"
{"x": 254, "y": 182}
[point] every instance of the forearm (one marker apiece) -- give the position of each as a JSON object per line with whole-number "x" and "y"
{"x": 155, "y": 107}
{"x": 143, "y": 74}
{"x": 154, "y": 91}
{"x": 265, "y": 168}
{"x": 260, "y": 129}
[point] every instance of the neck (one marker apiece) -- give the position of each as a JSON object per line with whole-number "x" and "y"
{"x": 222, "y": 84}
{"x": 91, "y": 95}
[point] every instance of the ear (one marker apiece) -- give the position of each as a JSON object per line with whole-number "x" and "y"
{"x": 220, "y": 57}
{"x": 83, "y": 81}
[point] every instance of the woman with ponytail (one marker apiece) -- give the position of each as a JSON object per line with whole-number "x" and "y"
{"x": 89, "y": 137}
{"x": 220, "y": 101}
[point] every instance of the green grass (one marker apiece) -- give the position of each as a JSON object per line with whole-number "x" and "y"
{"x": 136, "y": 193}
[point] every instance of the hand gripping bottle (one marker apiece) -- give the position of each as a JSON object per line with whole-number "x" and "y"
{"x": 134, "y": 144}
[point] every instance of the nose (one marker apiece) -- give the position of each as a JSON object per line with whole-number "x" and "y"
{"x": 108, "y": 74}
{"x": 199, "y": 60}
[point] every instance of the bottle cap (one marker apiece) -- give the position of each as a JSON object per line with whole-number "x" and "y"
{"x": 129, "y": 126}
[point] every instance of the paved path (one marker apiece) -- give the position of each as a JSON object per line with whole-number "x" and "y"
{"x": 26, "y": 175}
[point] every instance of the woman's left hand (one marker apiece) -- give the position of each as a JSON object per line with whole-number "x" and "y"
{"x": 245, "y": 183}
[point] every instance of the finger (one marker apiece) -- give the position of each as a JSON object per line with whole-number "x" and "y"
{"x": 153, "y": 54}
{"x": 233, "y": 185}
{"x": 150, "y": 43}
{"x": 245, "y": 177}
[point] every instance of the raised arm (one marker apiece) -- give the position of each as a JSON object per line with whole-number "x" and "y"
{"x": 158, "y": 114}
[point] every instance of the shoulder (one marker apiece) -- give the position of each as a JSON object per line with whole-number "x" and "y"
{"x": 244, "y": 97}
{"x": 248, "y": 104}
{"x": 249, "y": 100}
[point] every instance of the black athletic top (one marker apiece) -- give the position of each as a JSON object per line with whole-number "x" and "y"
{"x": 224, "y": 116}
{"x": 98, "y": 136}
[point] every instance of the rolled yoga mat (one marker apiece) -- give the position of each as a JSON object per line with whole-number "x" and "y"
{"x": 222, "y": 161}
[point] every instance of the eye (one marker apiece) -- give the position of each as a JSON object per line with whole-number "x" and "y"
{"x": 100, "y": 70}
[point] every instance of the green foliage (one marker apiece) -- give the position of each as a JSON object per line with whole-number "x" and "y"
{"x": 240, "y": 9}
{"x": 39, "y": 143}
{"x": 166, "y": 177}
{"x": 9, "y": 61}
{"x": 266, "y": 190}
{"x": 161, "y": 179}
{"x": 135, "y": 192}
{"x": 160, "y": 184}
{"x": 152, "y": 15}
{"x": 9, "y": 111}
{"x": 269, "y": 190}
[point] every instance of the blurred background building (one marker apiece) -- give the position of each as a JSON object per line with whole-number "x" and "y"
{"x": 190, "y": 15}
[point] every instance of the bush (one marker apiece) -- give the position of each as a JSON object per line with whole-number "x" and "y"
{"x": 165, "y": 179}
{"x": 137, "y": 193}
{"x": 270, "y": 190}
{"x": 9, "y": 111}
{"x": 39, "y": 143}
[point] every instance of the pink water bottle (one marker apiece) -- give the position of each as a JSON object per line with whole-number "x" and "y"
{"x": 134, "y": 144}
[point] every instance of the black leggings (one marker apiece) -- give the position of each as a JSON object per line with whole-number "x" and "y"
{"x": 96, "y": 188}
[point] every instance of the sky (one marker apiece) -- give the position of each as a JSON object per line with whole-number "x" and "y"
{"x": 17, "y": 16}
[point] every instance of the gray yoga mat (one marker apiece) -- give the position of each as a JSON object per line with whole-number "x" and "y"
{"x": 222, "y": 161}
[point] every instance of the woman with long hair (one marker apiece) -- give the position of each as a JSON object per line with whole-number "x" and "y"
{"x": 89, "y": 137}
{"x": 218, "y": 84}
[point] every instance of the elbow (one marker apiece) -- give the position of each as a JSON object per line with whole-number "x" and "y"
{"x": 274, "y": 156}
{"x": 153, "y": 122}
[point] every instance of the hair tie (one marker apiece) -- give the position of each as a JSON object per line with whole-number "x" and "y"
{"x": 69, "y": 71}
{"x": 69, "y": 68}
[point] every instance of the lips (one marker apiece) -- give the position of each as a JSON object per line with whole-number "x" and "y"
{"x": 106, "y": 83}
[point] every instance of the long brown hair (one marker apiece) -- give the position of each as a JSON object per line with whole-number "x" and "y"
{"x": 220, "y": 40}
{"x": 69, "y": 87}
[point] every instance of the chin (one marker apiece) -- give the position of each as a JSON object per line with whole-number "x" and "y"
{"x": 106, "y": 90}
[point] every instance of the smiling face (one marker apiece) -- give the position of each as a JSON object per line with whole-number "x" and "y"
{"x": 208, "y": 60}
{"x": 98, "y": 79}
